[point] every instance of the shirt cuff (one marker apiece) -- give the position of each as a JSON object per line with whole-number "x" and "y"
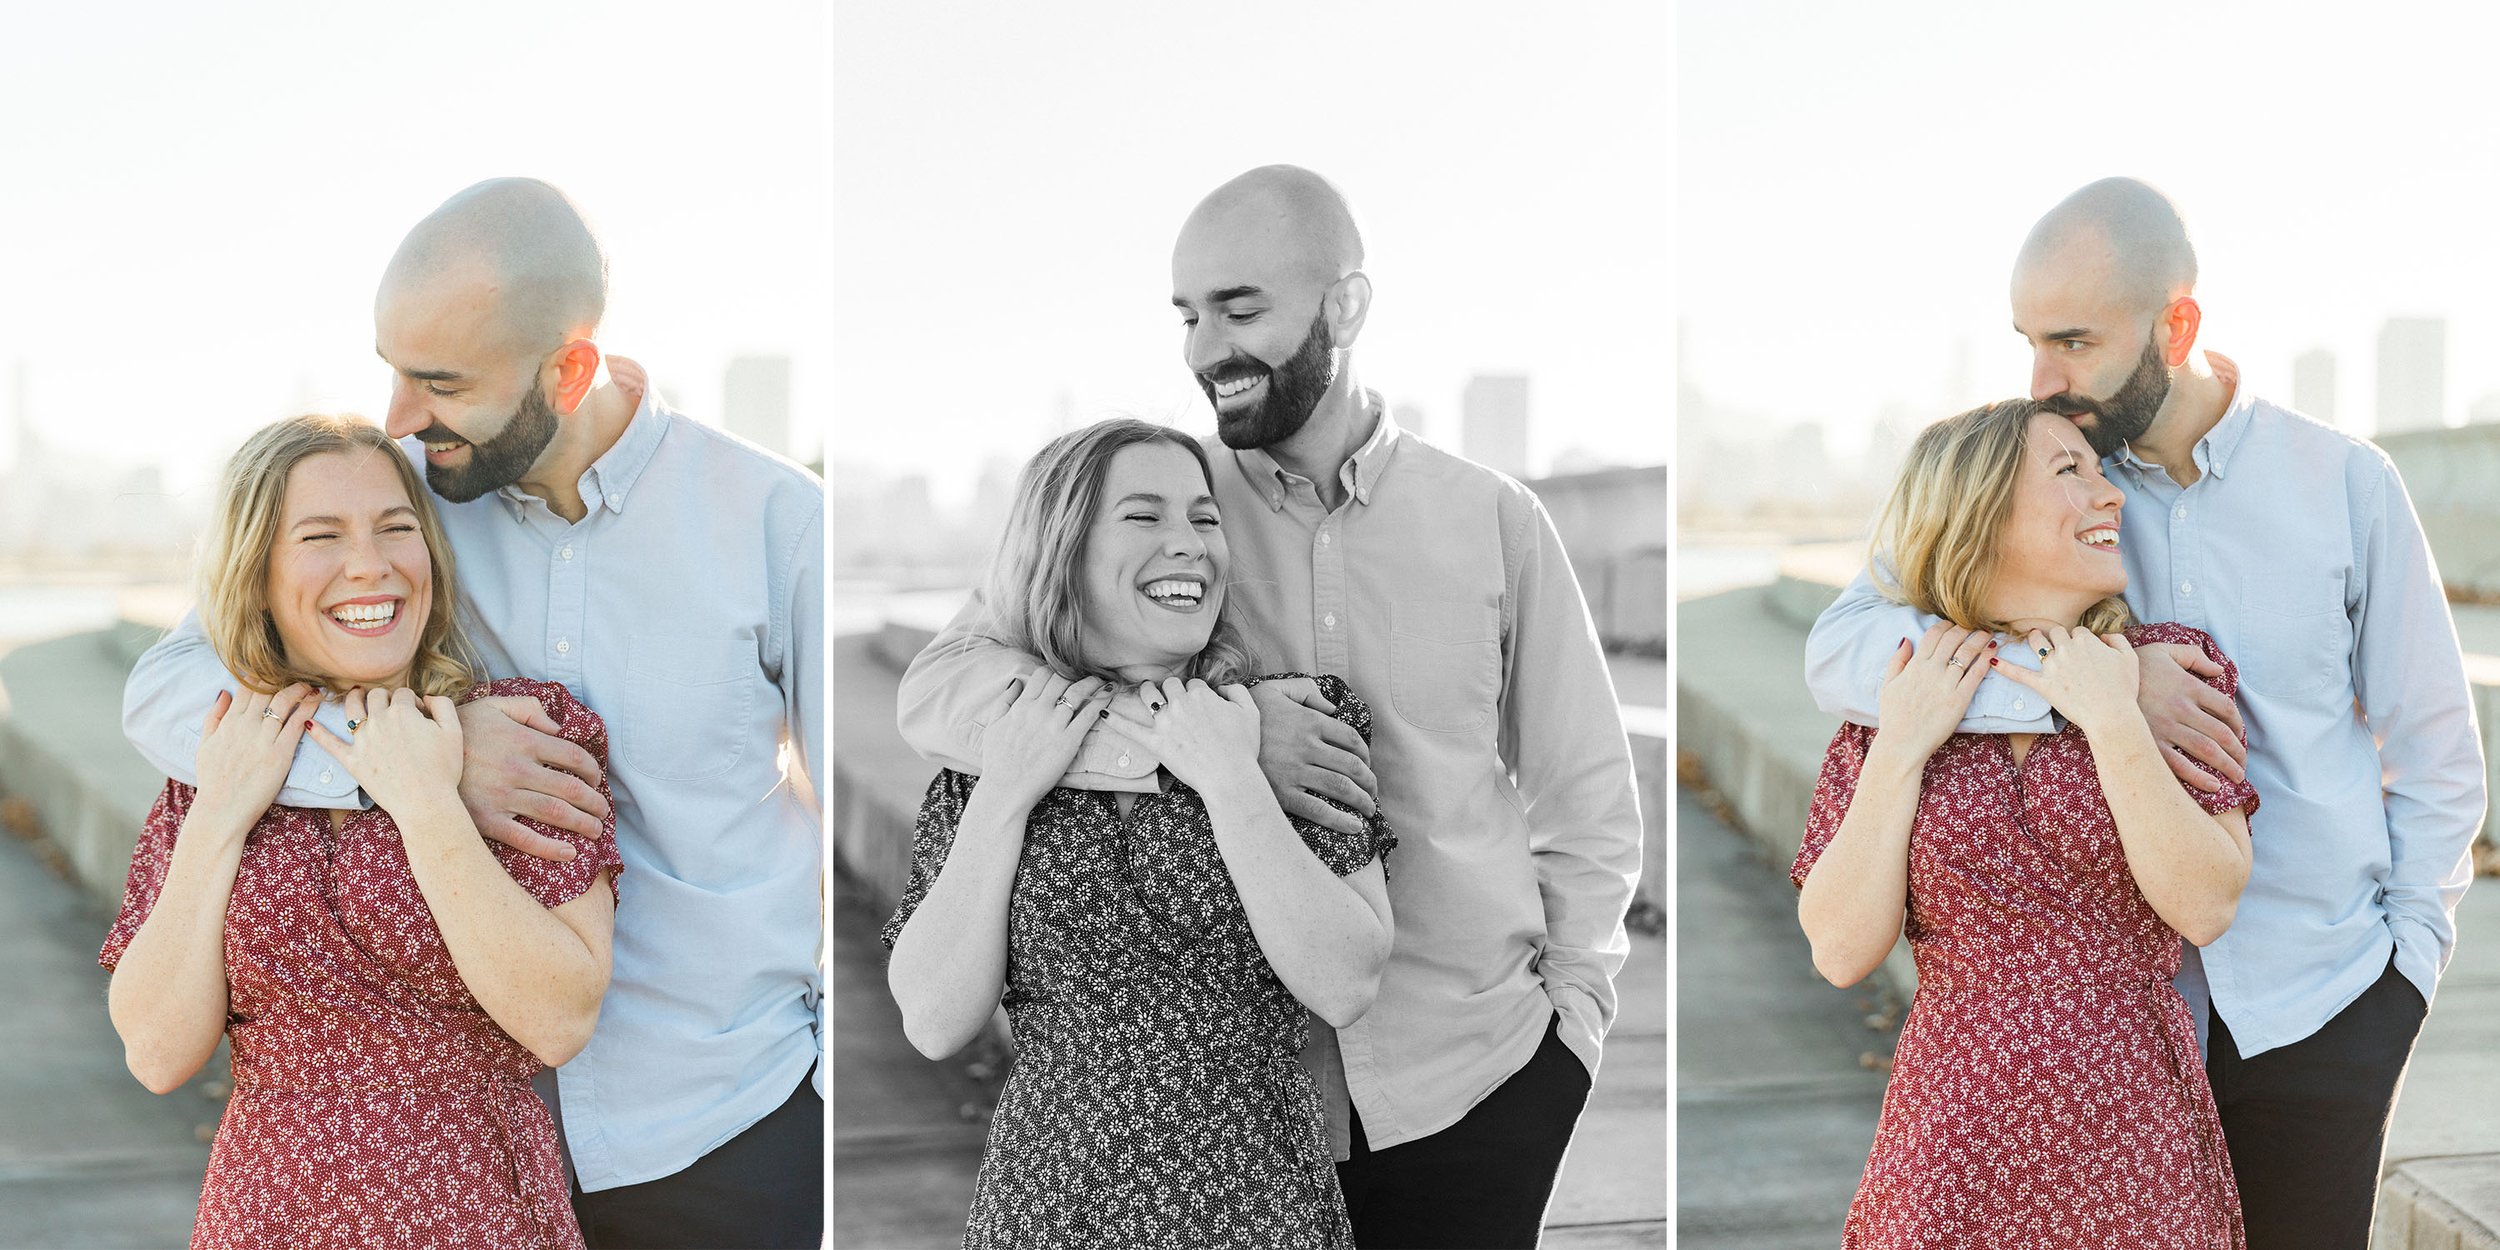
{"x": 1579, "y": 1027}
{"x": 2418, "y": 955}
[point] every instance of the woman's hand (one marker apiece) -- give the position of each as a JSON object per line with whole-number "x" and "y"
{"x": 1204, "y": 735}
{"x": 405, "y": 748}
{"x": 1035, "y": 726}
{"x": 2089, "y": 678}
{"x": 247, "y": 747}
{"x": 1927, "y": 689}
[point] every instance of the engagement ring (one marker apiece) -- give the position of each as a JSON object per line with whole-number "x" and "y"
{"x": 271, "y": 713}
{"x": 2044, "y": 653}
{"x": 1063, "y": 703}
{"x": 1954, "y": 663}
{"x": 351, "y": 725}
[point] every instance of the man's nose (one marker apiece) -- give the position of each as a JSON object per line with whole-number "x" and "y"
{"x": 1205, "y": 347}
{"x": 2048, "y": 377}
{"x": 407, "y": 415}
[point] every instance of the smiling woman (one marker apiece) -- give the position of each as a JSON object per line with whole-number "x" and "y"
{"x": 389, "y": 983}
{"x": 1160, "y": 954}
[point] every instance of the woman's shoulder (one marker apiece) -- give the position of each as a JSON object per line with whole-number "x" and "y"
{"x": 2228, "y": 681}
{"x": 1350, "y": 706}
{"x": 573, "y": 717}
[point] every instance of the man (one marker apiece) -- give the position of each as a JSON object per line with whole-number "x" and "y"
{"x": 673, "y": 578}
{"x": 1438, "y": 589}
{"x": 2296, "y": 548}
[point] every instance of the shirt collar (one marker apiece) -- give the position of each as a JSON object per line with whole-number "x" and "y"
{"x": 1360, "y": 474}
{"x": 612, "y": 476}
{"x": 2212, "y": 452}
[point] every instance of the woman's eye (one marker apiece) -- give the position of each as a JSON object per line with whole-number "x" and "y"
{"x": 1147, "y": 517}
{"x": 399, "y": 529}
{"x": 1206, "y": 521}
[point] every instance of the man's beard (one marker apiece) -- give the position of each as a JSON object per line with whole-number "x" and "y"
{"x": 2124, "y": 416}
{"x": 1293, "y": 393}
{"x": 499, "y": 461}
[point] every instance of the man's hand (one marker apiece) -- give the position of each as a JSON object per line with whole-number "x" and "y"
{"x": 1305, "y": 751}
{"x": 2188, "y": 717}
{"x": 515, "y": 763}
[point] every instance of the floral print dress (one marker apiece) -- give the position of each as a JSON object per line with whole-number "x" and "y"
{"x": 375, "y": 1105}
{"x": 2047, "y": 1089}
{"x": 1157, "y": 1099}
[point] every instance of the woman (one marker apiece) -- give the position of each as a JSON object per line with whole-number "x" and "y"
{"x": 1155, "y": 952}
{"x": 390, "y": 981}
{"x": 2046, "y": 1090}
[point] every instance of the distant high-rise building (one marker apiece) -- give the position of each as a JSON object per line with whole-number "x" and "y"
{"x": 1493, "y": 422}
{"x": 755, "y": 401}
{"x": 2313, "y": 384}
{"x": 2412, "y": 374}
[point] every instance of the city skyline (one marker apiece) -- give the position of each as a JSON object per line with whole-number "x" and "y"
{"x": 1847, "y": 223}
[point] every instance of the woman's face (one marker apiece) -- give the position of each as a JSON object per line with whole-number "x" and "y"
{"x": 1154, "y": 563}
{"x": 350, "y": 579}
{"x": 2058, "y": 553}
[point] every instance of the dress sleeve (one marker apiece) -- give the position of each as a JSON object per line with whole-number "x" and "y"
{"x": 150, "y": 860}
{"x": 933, "y": 836}
{"x": 557, "y": 882}
{"x": 2234, "y": 794}
{"x": 1345, "y": 853}
{"x": 1842, "y": 762}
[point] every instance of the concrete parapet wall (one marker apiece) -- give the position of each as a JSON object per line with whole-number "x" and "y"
{"x": 62, "y": 750}
{"x": 2453, "y": 477}
{"x": 2440, "y": 1204}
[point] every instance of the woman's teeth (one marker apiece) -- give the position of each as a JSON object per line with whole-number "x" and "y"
{"x": 1161, "y": 591}
{"x": 365, "y": 615}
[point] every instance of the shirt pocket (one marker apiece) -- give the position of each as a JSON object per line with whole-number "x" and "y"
{"x": 1445, "y": 665}
{"x": 2294, "y": 636}
{"x": 687, "y": 702}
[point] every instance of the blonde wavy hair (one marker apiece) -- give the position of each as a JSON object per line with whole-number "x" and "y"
{"x": 234, "y": 557}
{"x": 1035, "y": 591}
{"x": 1935, "y": 544}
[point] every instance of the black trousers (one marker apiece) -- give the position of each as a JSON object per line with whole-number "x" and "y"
{"x": 2307, "y": 1123}
{"x": 761, "y": 1190}
{"x": 1482, "y": 1183}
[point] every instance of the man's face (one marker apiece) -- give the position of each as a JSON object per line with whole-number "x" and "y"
{"x": 1263, "y": 361}
{"x": 479, "y": 407}
{"x": 2094, "y": 359}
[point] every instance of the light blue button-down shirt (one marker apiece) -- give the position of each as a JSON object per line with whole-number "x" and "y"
{"x": 687, "y": 609}
{"x": 2298, "y": 550}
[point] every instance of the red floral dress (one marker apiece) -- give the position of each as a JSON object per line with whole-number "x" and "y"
{"x": 375, "y": 1105}
{"x": 2047, "y": 1090}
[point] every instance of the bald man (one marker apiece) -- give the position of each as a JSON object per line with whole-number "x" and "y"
{"x": 2295, "y": 546}
{"x": 1438, "y": 589}
{"x": 672, "y": 577}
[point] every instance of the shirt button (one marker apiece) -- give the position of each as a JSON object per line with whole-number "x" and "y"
{"x": 1123, "y": 759}
{"x": 563, "y": 647}
{"x": 567, "y": 553}
{"x": 2179, "y": 513}
{"x": 325, "y": 774}
{"x": 1329, "y": 620}
{"x": 2187, "y": 588}
{"x": 2018, "y": 705}
{"x": 1323, "y": 538}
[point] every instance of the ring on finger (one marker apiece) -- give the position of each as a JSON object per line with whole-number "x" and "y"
{"x": 1062, "y": 702}
{"x": 1955, "y": 662}
{"x": 271, "y": 713}
{"x": 352, "y": 722}
{"x": 2044, "y": 651}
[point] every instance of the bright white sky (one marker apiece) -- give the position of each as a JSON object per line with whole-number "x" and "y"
{"x": 1855, "y": 180}
{"x": 199, "y": 198}
{"x": 1010, "y": 177}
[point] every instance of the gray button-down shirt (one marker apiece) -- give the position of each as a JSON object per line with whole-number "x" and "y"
{"x": 2298, "y": 550}
{"x": 1440, "y": 592}
{"x": 687, "y": 609}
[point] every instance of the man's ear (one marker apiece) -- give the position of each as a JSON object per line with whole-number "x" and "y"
{"x": 1347, "y": 303}
{"x": 2180, "y": 320}
{"x": 577, "y": 370}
